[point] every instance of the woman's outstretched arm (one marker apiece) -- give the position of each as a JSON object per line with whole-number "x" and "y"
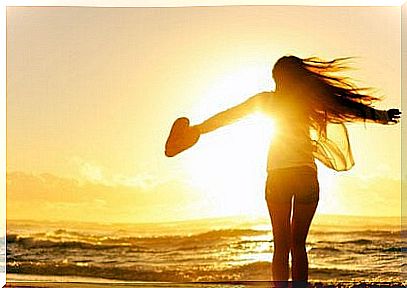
{"x": 365, "y": 112}
{"x": 382, "y": 116}
{"x": 232, "y": 114}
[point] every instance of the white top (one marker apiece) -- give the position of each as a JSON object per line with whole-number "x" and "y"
{"x": 291, "y": 146}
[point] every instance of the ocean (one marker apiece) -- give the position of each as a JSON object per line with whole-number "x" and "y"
{"x": 231, "y": 249}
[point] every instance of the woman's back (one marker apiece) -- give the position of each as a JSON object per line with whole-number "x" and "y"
{"x": 291, "y": 145}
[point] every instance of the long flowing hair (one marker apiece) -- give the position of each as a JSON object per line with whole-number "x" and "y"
{"x": 328, "y": 95}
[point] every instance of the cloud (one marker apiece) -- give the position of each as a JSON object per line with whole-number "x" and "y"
{"x": 142, "y": 199}
{"x": 47, "y": 196}
{"x": 94, "y": 173}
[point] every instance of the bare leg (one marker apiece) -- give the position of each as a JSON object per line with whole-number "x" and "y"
{"x": 301, "y": 221}
{"x": 280, "y": 214}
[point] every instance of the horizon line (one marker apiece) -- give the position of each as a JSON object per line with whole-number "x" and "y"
{"x": 209, "y": 219}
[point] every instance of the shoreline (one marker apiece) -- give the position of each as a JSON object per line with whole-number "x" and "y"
{"x": 23, "y": 280}
{"x": 226, "y": 284}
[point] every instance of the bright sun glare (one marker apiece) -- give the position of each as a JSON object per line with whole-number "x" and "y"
{"x": 228, "y": 167}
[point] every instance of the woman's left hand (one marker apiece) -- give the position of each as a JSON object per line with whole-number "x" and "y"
{"x": 394, "y": 115}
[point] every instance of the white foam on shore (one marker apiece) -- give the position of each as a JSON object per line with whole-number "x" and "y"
{"x": 11, "y": 277}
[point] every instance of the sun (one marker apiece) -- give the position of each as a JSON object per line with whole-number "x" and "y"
{"x": 228, "y": 167}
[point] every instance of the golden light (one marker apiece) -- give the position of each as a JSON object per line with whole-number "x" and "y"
{"x": 228, "y": 166}
{"x": 328, "y": 201}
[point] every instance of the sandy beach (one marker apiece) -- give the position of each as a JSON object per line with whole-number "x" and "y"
{"x": 21, "y": 280}
{"x": 231, "y": 284}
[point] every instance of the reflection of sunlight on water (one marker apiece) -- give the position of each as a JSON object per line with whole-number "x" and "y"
{"x": 255, "y": 239}
{"x": 258, "y": 257}
{"x": 261, "y": 227}
{"x": 251, "y": 249}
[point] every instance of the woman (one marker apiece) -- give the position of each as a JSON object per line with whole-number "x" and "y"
{"x": 308, "y": 97}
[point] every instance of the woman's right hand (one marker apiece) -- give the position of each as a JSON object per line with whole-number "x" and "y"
{"x": 182, "y": 136}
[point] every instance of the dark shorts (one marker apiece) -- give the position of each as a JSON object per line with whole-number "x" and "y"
{"x": 298, "y": 182}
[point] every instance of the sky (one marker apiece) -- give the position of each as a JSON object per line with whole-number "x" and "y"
{"x": 92, "y": 94}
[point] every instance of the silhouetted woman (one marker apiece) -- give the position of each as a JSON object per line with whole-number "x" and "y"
{"x": 308, "y": 97}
